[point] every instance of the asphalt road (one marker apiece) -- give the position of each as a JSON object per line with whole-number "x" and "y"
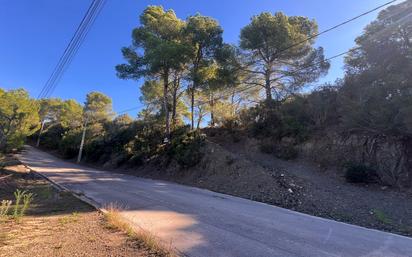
{"x": 203, "y": 223}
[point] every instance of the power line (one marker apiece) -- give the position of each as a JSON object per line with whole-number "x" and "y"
{"x": 67, "y": 58}
{"x": 296, "y": 44}
{"x": 68, "y": 49}
{"x": 307, "y": 39}
{"x": 281, "y": 77}
{"x": 302, "y": 68}
{"x": 130, "y": 109}
{"x": 82, "y": 35}
{"x": 95, "y": 9}
{"x": 337, "y": 26}
{"x": 72, "y": 48}
{"x": 75, "y": 43}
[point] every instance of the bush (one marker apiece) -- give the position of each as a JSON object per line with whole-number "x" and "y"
{"x": 18, "y": 118}
{"x": 51, "y": 137}
{"x": 262, "y": 121}
{"x": 148, "y": 141}
{"x": 277, "y": 120}
{"x": 357, "y": 173}
{"x": 136, "y": 160}
{"x": 114, "y": 144}
{"x": 186, "y": 149}
{"x": 14, "y": 143}
{"x": 95, "y": 150}
{"x": 230, "y": 124}
{"x": 69, "y": 146}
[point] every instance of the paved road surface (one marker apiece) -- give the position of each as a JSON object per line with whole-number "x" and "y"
{"x": 203, "y": 223}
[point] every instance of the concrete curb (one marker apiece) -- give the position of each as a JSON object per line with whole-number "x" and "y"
{"x": 83, "y": 198}
{"x": 62, "y": 188}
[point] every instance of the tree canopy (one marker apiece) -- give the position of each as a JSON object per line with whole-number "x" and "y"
{"x": 279, "y": 54}
{"x": 19, "y": 118}
{"x": 97, "y": 107}
{"x": 376, "y": 96}
{"x": 158, "y": 48}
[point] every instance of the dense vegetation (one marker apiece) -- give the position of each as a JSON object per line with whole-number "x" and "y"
{"x": 18, "y": 118}
{"x": 261, "y": 87}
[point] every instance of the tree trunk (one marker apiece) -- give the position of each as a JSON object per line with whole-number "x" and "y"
{"x": 195, "y": 84}
{"x": 192, "y": 107}
{"x": 212, "y": 114}
{"x": 268, "y": 88}
{"x": 199, "y": 120}
{"x": 174, "y": 105}
{"x": 165, "y": 104}
{"x": 232, "y": 103}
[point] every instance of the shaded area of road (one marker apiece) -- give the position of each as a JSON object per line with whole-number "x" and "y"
{"x": 203, "y": 223}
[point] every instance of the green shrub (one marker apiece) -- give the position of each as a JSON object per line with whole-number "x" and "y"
{"x": 293, "y": 127}
{"x": 358, "y": 173}
{"x": 262, "y": 121}
{"x": 277, "y": 120}
{"x": 18, "y": 118}
{"x": 148, "y": 141}
{"x": 186, "y": 148}
{"x": 94, "y": 150}
{"x": 114, "y": 144}
{"x": 51, "y": 137}
{"x": 69, "y": 146}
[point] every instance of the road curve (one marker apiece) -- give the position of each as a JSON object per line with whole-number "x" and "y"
{"x": 203, "y": 223}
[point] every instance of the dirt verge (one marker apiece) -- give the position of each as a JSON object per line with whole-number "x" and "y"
{"x": 57, "y": 223}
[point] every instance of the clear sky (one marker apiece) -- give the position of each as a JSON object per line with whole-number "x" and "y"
{"x": 33, "y": 35}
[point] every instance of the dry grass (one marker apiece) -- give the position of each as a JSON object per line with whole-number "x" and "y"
{"x": 143, "y": 238}
{"x": 74, "y": 217}
{"x": 56, "y": 224}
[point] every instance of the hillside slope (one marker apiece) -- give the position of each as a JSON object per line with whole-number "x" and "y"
{"x": 237, "y": 167}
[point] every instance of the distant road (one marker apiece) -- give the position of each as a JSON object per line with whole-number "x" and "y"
{"x": 203, "y": 223}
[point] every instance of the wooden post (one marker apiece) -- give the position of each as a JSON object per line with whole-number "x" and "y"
{"x": 79, "y": 157}
{"x": 40, "y": 132}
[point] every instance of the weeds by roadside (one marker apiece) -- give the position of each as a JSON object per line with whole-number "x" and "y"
{"x": 74, "y": 217}
{"x": 22, "y": 202}
{"x": 4, "y": 209}
{"x": 382, "y": 217}
{"x": 54, "y": 223}
{"x": 143, "y": 238}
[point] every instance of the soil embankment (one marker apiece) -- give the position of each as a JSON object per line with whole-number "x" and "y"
{"x": 238, "y": 167}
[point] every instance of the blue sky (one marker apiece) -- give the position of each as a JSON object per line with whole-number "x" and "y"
{"x": 33, "y": 35}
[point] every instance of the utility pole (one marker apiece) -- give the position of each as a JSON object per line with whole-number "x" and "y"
{"x": 79, "y": 157}
{"x": 40, "y": 132}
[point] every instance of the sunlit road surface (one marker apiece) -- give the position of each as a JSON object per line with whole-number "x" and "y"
{"x": 203, "y": 223}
